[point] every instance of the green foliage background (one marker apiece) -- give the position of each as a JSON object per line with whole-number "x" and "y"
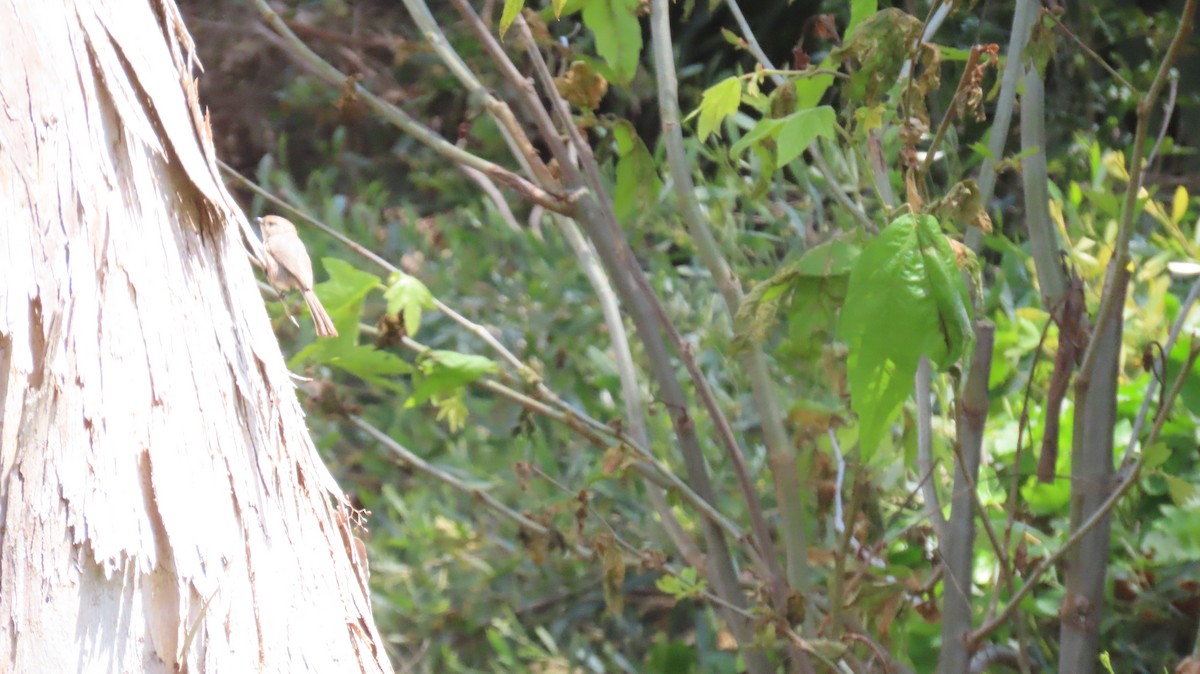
{"x": 459, "y": 588}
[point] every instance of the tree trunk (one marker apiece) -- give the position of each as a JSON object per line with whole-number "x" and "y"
{"x": 161, "y": 503}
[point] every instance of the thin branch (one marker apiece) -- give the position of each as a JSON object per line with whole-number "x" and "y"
{"x": 1169, "y": 400}
{"x": 324, "y": 70}
{"x": 1119, "y": 267}
{"x": 1168, "y": 110}
{"x": 511, "y": 129}
{"x": 1093, "y": 55}
{"x": 480, "y": 494}
{"x": 780, "y": 451}
{"x": 1124, "y": 482}
{"x": 527, "y": 97}
{"x": 602, "y": 435}
{"x": 1148, "y": 396}
{"x": 489, "y": 188}
{"x": 752, "y": 41}
{"x": 594, "y": 213}
{"x": 1043, "y": 237}
{"x": 779, "y": 446}
{"x": 1024, "y": 16}
{"x": 923, "y": 388}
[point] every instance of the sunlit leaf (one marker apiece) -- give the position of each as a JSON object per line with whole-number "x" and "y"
{"x": 512, "y": 8}
{"x": 1179, "y": 204}
{"x": 1155, "y": 455}
{"x": 719, "y": 101}
{"x": 792, "y": 134}
{"x": 799, "y": 129}
{"x": 408, "y": 295}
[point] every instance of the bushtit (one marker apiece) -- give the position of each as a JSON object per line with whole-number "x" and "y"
{"x": 288, "y": 267}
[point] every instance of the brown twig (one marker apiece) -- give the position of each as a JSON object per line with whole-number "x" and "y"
{"x": 1072, "y": 338}
{"x": 963, "y": 85}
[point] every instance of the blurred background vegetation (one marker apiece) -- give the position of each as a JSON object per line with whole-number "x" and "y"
{"x": 459, "y": 588}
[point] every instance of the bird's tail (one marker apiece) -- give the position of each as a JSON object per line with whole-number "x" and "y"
{"x": 321, "y": 320}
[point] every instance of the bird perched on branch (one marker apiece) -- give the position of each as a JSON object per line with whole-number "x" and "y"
{"x": 289, "y": 267}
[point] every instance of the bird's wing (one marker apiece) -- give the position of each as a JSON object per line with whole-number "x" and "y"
{"x": 291, "y": 255}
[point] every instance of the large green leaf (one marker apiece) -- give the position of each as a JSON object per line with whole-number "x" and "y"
{"x": 618, "y": 34}
{"x": 905, "y": 300}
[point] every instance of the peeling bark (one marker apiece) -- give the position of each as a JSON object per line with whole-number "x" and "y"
{"x": 162, "y": 506}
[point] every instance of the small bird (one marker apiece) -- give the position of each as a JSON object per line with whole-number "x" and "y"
{"x": 289, "y": 267}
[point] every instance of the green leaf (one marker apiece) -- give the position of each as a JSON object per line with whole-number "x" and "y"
{"x": 949, "y": 293}
{"x": 638, "y": 184}
{"x": 683, "y": 585}
{"x": 671, "y": 657}
{"x": 902, "y": 303}
{"x": 876, "y": 52}
{"x": 733, "y": 38}
{"x": 407, "y": 294}
{"x": 512, "y": 8}
{"x": 834, "y": 257}
{"x": 346, "y": 285}
{"x": 983, "y": 151}
{"x": 792, "y": 134}
{"x": 810, "y": 90}
{"x": 720, "y": 101}
{"x": 812, "y": 314}
{"x": 618, "y": 34}
{"x": 859, "y": 10}
{"x": 442, "y": 371}
{"x": 558, "y": 6}
{"x": 815, "y": 284}
{"x": 365, "y": 362}
{"x": 1155, "y": 455}
{"x": 763, "y": 129}
{"x": 342, "y": 296}
{"x": 1181, "y": 490}
{"x": 799, "y": 129}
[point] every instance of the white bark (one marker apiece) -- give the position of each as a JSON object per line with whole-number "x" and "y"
{"x": 158, "y": 488}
